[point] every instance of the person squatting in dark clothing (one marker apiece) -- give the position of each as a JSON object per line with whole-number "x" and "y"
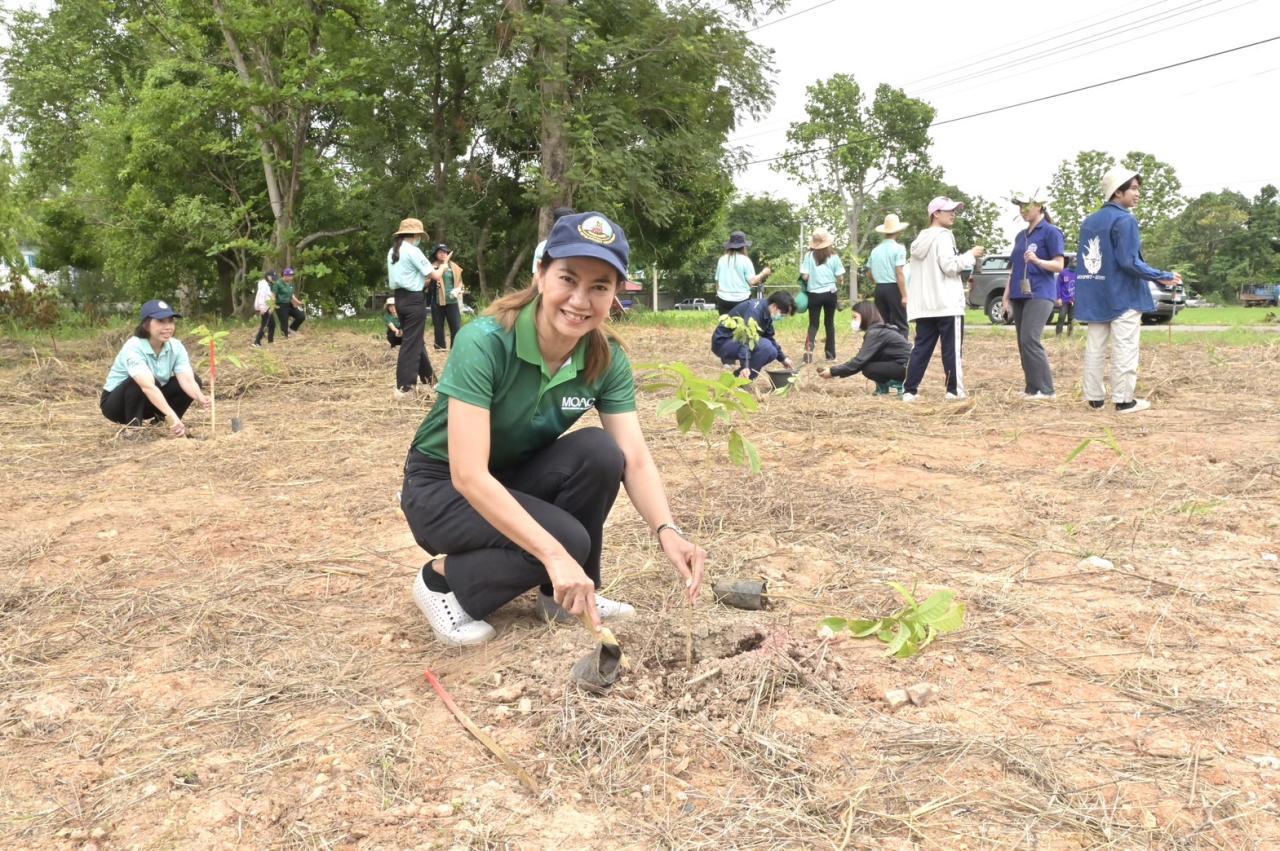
{"x": 883, "y": 356}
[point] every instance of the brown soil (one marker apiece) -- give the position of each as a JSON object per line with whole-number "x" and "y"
{"x": 210, "y": 643}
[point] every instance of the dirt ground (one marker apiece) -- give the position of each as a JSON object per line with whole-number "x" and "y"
{"x": 211, "y": 643}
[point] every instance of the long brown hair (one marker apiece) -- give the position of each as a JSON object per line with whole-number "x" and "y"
{"x": 867, "y": 313}
{"x": 599, "y": 351}
{"x": 822, "y": 255}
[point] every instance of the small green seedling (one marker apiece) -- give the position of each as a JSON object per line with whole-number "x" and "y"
{"x": 213, "y": 339}
{"x": 702, "y": 402}
{"x": 911, "y": 628}
{"x": 1108, "y": 439}
{"x": 745, "y": 331}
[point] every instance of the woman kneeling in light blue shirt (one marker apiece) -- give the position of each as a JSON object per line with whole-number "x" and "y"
{"x": 152, "y": 376}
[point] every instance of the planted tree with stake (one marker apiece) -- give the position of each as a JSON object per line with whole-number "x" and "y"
{"x": 214, "y": 339}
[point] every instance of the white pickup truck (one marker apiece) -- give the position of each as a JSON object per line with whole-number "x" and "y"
{"x": 695, "y": 304}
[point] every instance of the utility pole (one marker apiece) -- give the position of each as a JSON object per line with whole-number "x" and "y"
{"x": 654, "y": 272}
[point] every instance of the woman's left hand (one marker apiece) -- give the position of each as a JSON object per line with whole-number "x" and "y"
{"x": 1030, "y": 257}
{"x": 689, "y": 560}
{"x": 204, "y": 401}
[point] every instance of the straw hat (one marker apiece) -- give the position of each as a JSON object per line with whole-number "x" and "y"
{"x": 820, "y": 238}
{"x": 411, "y": 227}
{"x": 892, "y": 224}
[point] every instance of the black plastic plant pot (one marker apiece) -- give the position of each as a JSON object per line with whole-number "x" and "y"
{"x": 237, "y": 424}
{"x": 742, "y": 593}
{"x": 598, "y": 670}
{"x": 780, "y": 378}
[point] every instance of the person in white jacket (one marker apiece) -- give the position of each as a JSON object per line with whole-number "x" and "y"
{"x": 935, "y": 298}
{"x": 262, "y": 304}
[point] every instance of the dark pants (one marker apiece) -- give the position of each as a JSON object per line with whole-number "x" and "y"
{"x": 441, "y": 314}
{"x": 128, "y": 405}
{"x": 1030, "y": 315}
{"x": 765, "y": 353}
{"x": 889, "y": 306}
{"x": 1068, "y": 312}
{"x": 723, "y": 307}
{"x": 568, "y": 488}
{"x": 822, "y": 305}
{"x": 929, "y": 330}
{"x": 881, "y": 371}
{"x": 266, "y": 324}
{"x": 393, "y": 339}
{"x": 286, "y": 312}
{"x": 412, "y": 364}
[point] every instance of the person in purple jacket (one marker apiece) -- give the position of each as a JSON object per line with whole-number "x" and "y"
{"x": 1066, "y": 303}
{"x": 1112, "y": 291}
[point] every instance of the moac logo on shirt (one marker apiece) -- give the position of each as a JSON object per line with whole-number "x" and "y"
{"x": 577, "y": 403}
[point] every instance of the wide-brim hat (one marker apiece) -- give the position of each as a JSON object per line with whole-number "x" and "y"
{"x": 892, "y": 224}
{"x": 1037, "y": 198}
{"x": 410, "y": 227}
{"x": 821, "y": 238}
{"x": 943, "y": 204}
{"x": 737, "y": 239}
{"x": 589, "y": 235}
{"x": 1115, "y": 178}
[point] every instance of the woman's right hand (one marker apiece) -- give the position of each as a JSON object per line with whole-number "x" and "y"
{"x": 825, "y": 372}
{"x": 176, "y": 426}
{"x": 572, "y": 588}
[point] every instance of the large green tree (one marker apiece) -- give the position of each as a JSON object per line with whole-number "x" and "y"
{"x": 846, "y": 150}
{"x": 1076, "y": 189}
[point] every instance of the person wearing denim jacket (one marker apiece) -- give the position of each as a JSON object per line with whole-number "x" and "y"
{"x": 1112, "y": 291}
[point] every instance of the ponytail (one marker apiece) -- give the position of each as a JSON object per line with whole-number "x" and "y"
{"x": 395, "y": 247}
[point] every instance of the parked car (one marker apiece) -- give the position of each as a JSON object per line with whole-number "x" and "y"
{"x": 695, "y": 304}
{"x": 1168, "y": 302}
{"x": 986, "y": 287}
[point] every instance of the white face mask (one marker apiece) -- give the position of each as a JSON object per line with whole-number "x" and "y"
{"x": 856, "y": 322}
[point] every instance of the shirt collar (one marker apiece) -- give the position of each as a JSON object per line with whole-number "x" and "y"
{"x": 144, "y": 345}
{"x": 527, "y": 342}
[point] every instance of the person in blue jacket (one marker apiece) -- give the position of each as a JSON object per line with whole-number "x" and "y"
{"x": 1112, "y": 291}
{"x": 767, "y": 350}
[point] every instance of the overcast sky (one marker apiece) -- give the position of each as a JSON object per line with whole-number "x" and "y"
{"x": 1216, "y": 121}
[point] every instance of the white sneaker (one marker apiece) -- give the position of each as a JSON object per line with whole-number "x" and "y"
{"x": 952, "y": 397}
{"x": 909, "y": 397}
{"x": 448, "y": 620}
{"x": 1039, "y": 397}
{"x": 609, "y": 610}
{"x": 1138, "y": 405}
{"x": 400, "y": 395}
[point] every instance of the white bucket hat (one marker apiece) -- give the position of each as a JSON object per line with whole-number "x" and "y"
{"x": 1114, "y": 179}
{"x": 892, "y": 224}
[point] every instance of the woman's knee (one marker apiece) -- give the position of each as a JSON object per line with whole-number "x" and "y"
{"x": 600, "y": 451}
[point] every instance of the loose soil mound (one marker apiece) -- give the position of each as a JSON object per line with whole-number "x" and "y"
{"x": 210, "y": 642}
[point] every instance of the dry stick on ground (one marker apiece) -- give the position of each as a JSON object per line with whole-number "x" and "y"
{"x": 483, "y": 737}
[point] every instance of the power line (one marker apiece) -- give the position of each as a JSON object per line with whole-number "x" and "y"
{"x": 1039, "y": 99}
{"x": 789, "y": 17}
{"x": 1064, "y": 54}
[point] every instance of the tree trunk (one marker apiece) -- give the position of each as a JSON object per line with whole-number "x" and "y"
{"x": 509, "y": 282}
{"x": 482, "y": 281}
{"x": 553, "y": 89}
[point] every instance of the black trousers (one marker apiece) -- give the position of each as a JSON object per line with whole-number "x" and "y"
{"x": 885, "y": 370}
{"x": 822, "y": 306}
{"x": 568, "y": 488}
{"x": 723, "y": 307}
{"x": 929, "y": 330}
{"x": 392, "y": 339}
{"x": 286, "y": 312}
{"x": 128, "y": 405}
{"x": 412, "y": 365}
{"x": 889, "y": 306}
{"x": 440, "y": 314}
{"x": 1066, "y": 312}
{"x": 267, "y": 324}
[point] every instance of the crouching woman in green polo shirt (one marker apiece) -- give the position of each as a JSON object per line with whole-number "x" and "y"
{"x": 492, "y": 480}
{"x": 152, "y": 376}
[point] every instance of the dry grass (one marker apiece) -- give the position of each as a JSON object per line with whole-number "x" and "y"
{"x": 210, "y": 643}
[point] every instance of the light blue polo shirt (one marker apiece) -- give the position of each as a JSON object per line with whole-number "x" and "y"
{"x": 822, "y": 279}
{"x": 733, "y": 277}
{"x": 885, "y": 260}
{"x": 410, "y": 273}
{"x": 138, "y": 358}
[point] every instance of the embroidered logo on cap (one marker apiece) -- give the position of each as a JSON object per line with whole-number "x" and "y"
{"x": 597, "y": 230}
{"x": 162, "y": 305}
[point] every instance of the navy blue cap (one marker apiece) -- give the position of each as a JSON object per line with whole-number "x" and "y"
{"x": 589, "y": 235}
{"x": 157, "y": 309}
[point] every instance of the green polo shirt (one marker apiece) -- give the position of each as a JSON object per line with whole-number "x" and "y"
{"x": 283, "y": 293}
{"x": 389, "y": 318}
{"x": 529, "y": 405}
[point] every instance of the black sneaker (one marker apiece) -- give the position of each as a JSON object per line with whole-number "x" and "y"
{"x": 1132, "y": 407}
{"x": 1096, "y": 403}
